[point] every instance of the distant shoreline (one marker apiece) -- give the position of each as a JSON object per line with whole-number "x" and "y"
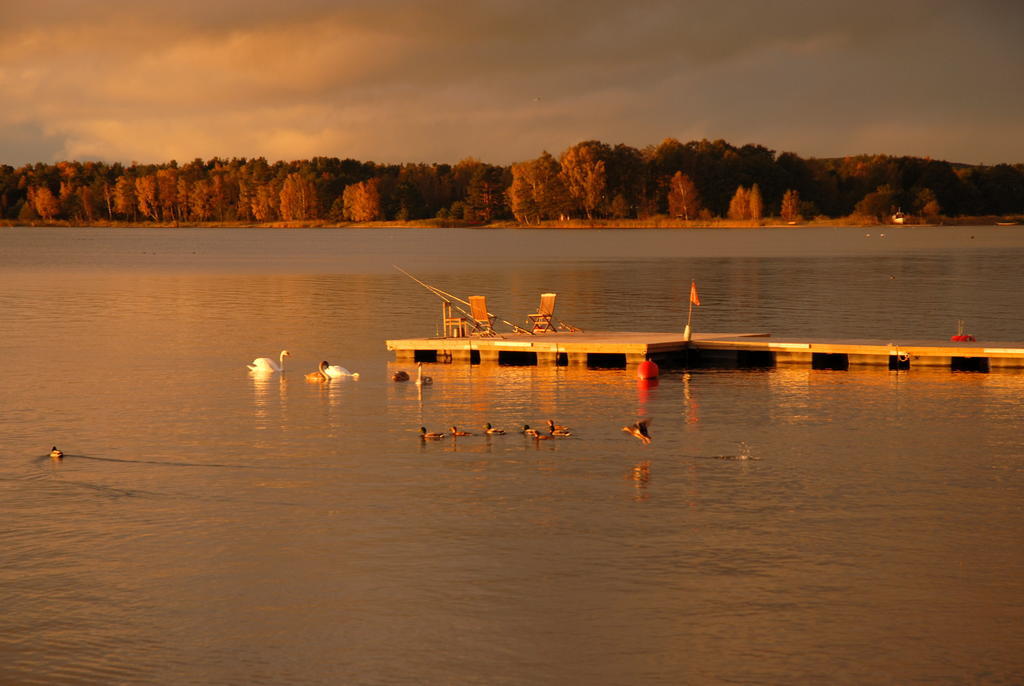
{"x": 653, "y": 223}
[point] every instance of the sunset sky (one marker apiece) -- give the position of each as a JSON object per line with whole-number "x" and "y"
{"x": 503, "y": 80}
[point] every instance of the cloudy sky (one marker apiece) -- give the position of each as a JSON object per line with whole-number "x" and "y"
{"x": 503, "y": 80}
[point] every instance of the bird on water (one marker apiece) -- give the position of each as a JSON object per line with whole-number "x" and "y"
{"x": 319, "y": 375}
{"x": 639, "y": 430}
{"x": 265, "y": 364}
{"x": 420, "y": 379}
{"x": 534, "y": 434}
{"x": 56, "y": 454}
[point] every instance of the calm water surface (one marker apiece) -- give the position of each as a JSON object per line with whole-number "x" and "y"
{"x": 211, "y": 527}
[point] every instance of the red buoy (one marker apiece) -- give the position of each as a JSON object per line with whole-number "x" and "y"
{"x": 647, "y": 370}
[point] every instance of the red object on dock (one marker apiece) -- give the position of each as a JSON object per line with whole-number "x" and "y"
{"x": 962, "y": 338}
{"x": 647, "y": 370}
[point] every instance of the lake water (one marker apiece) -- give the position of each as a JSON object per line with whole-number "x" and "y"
{"x": 212, "y": 527}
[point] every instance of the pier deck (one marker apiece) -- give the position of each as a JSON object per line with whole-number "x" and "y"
{"x": 621, "y": 349}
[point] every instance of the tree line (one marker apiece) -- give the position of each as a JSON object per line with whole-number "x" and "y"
{"x": 699, "y": 180}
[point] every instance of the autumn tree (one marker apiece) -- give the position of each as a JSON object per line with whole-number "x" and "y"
{"x": 683, "y": 200}
{"x": 103, "y": 190}
{"x": 790, "y": 206}
{"x": 264, "y": 203}
{"x": 878, "y": 204}
{"x": 537, "y": 191}
{"x": 145, "y": 194}
{"x": 739, "y": 206}
{"x": 124, "y": 197}
{"x": 755, "y": 203}
{"x": 44, "y": 202}
{"x": 583, "y": 174}
{"x": 200, "y": 200}
{"x": 68, "y": 200}
{"x": 87, "y": 203}
{"x": 520, "y": 195}
{"x": 182, "y": 208}
{"x": 362, "y": 201}
{"x": 927, "y": 204}
{"x": 298, "y": 198}
{"x": 167, "y": 193}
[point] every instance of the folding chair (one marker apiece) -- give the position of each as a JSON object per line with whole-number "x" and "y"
{"x": 542, "y": 319}
{"x": 483, "y": 321}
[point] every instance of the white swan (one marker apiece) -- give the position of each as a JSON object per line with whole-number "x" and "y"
{"x": 265, "y": 364}
{"x": 335, "y": 371}
{"x": 420, "y": 379}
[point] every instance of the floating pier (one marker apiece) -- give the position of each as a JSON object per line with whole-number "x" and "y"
{"x": 624, "y": 349}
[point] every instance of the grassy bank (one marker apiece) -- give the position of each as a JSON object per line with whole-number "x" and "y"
{"x": 649, "y": 223}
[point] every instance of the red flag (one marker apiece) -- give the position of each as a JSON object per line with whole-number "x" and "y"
{"x": 693, "y": 294}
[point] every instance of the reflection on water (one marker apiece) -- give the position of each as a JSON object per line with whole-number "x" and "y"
{"x": 787, "y": 525}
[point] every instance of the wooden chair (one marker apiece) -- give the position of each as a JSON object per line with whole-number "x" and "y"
{"x": 483, "y": 320}
{"x": 454, "y": 326}
{"x": 542, "y": 319}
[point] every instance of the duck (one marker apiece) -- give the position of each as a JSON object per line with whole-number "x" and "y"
{"x": 56, "y": 454}
{"x": 639, "y": 429}
{"x": 319, "y": 375}
{"x": 424, "y": 434}
{"x": 557, "y": 427}
{"x": 420, "y": 379}
{"x": 490, "y": 430}
{"x": 335, "y": 371}
{"x": 400, "y": 376}
{"x": 455, "y": 432}
{"x": 265, "y": 364}
{"x": 534, "y": 434}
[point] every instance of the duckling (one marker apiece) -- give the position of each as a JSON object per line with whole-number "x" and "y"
{"x": 319, "y": 375}
{"x": 400, "y": 376}
{"x": 424, "y": 434}
{"x": 639, "y": 429}
{"x": 56, "y": 454}
{"x": 455, "y": 432}
{"x": 488, "y": 429}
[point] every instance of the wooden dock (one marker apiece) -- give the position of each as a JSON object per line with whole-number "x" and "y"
{"x": 623, "y": 349}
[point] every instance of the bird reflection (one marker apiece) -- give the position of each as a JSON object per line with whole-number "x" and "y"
{"x": 640, "y": 474}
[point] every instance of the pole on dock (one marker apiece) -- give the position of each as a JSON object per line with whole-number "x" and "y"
{"x": 694, "y": 300}
{"x": 452, "y": 299}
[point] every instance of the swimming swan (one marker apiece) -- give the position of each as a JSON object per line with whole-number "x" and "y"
{"x": 319, "y": 375}
{"x": 265, "y": 364}
{"x": 420, "y": 379}
{"x": 336, "y": 371}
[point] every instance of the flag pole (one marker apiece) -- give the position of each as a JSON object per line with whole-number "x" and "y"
{"x": 687, "y": 334}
